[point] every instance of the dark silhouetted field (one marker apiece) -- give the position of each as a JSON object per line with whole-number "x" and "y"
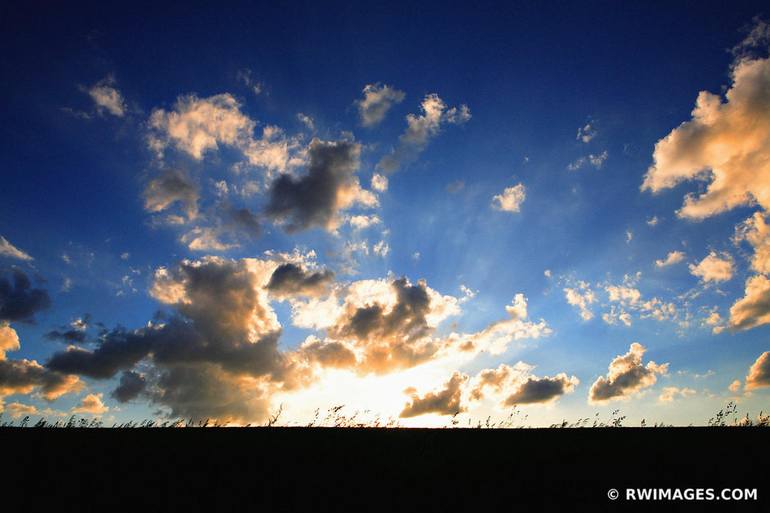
{"x": 347, "y": 469}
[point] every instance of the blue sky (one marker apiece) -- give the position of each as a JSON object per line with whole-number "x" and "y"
{"x": 133, "y": 139}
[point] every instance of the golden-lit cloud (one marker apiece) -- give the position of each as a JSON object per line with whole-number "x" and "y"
{"x": 670, "y": 394}
{"x": 197, "y": 126}
{"x": 8, "y": 250}
{"x": 713, "y": 268}
{"x": 510, "y": 199}
{"x": 672, "y": 258}
{"x": 512, "y": 386}
{"x": 17, "y": 410}
{"x": 9, "y": 340}
{"x": 759, "y": 373}
{"x": 91, "y": 404}
{"x": 445, "y": 401}
{"x": 107, "y": 97}
{"x": 581, "y": 297}
{"x": 626, "y": 377}
{"x": 753, "y": 309}
{"x": 726, "y": 144}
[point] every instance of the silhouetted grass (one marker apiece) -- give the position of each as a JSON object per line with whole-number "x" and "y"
{"x": 337, "y": 417}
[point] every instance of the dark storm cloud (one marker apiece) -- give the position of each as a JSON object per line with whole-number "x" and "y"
{"x": 18, "y": 300}
{"x": 176, "y": 342}
{"x": 119, "y": 349}
{"x": 446, "y": 401}
{"x": 243, "y": 221}
{"x": 171, "y": 187}
{"x": 329, "y": 354}
{"x": 204, "y": 391}
{"x": 68, "y": 335}
{"x": 329, "y": 185}
{"x": 131, "y": 385}
{"x": 406, "y": 320}
{"x": 541, "y": 390}
{"x": 220, "y": 334}
{"x": 292, "y": 280}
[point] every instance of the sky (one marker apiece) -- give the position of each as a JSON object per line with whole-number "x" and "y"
{"x": 425, "y": 215}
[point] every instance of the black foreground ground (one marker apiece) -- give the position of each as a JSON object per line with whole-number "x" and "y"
{"x": 330, "y": 469}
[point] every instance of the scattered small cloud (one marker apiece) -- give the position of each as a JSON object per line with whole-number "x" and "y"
{"x": 595, "y": 160}
{"x": 510, "y": 199}
{"x": 672, "y": 258}
{"x": 377, "y": 101}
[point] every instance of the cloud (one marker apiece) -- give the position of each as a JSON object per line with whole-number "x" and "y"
{"x": 669, "y": 394}
{"x": 173, "y": 186}
{"x": 497, "y": 379}
{"x": 586, "y": 133}
{"x": 627, "y": 376}
{"x": 756, "y": 232}
{"x": 131, "y": 385}
{"x": 446, "y": 401}
{"x": 213, "y": 351}
{"x": 9, "y": 340}
{"x": 518, "y": 386}
{"x": 24, "y": 376}
{"x": 205, "y": 239}
{"x": 379, "y": 182}
{"x": 713, "y": 268}
{"x": 653, "y": 221}
{"x": 388, "y": 325}
{"x": 542, "y": 390}
{"x": 496, "y": 336}
{"x": 291, "y": 280}
{"x": 91, "y": 404}
{"x": 420, "y": 129}
{"x": 510, "y": 199}
{"x": 581, "y": 297}
{"x": 107, "y": 98}
{"x": 377, "y": 101}
{"x": 617, "y": 315}
{"x": 596, "y": 161}
{"x": 362, "y": 222}
{"x": 306, "y": 120}
{"x": 715, "y": 321}
{"x": 9, "y": 250}
{"x": 759, "y": 373}
{"x": 222, "y": 326}
{"x": 754, "y": 308}
{"x": 735, "y": 386}
{"x": 673, "y": 257}
{"x": 69, "y": 335}
{"x": 245, "y": 76}
{"x": 197, "y": 126}
{"x": 18, "y": 410}
{"x": 329, "y": 187}
{"x": 726, "y": 144}
{"x": 228, "y": 226}
{"x": 381, "y": 249}
{"x": 18, "y": 300}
